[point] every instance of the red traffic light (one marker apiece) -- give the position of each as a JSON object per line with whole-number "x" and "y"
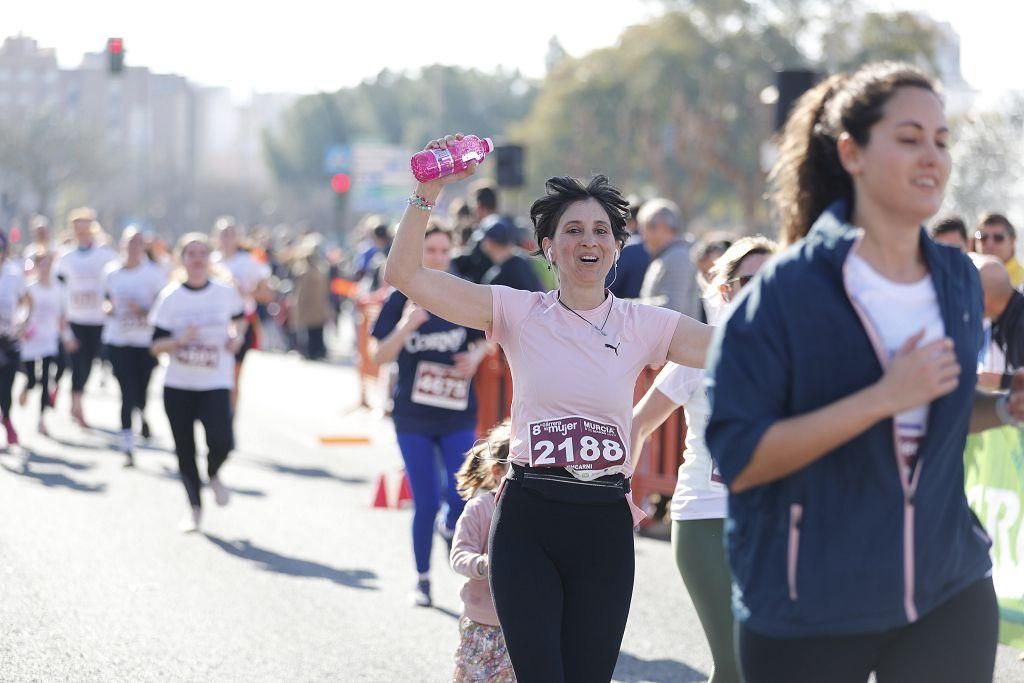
{"x": 115, "y": 46}
{"x": 340, "y": 183}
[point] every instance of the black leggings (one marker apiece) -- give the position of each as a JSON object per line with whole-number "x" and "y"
{"x": 89, "y": 339}
{"x": 38, "y": 371}
{"x": 562, "y": 581}
{"x": 9, "y": 361}
{"x": 954, "y": 643}
{"x": 213, "y": 410}
{"x": 133, "y": 366}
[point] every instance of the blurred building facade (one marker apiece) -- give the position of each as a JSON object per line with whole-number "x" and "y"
{"x": 170, "y": 150}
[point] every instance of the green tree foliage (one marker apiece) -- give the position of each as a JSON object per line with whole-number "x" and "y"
{"x": 397, "y": 108}
{"x": 675, "y": 107}
{"x": 669, "y": 109}
{"x": 987, "y": 161}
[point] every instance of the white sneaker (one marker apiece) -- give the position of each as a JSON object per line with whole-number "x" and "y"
{"x": 421, "y": 594}
{"x": 190, "y": 522}
{"x": 220, "y": 492}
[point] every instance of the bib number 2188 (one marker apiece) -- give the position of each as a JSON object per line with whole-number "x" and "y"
{"x": 575, "y": 442}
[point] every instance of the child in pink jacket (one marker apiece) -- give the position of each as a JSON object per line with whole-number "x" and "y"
{"x": 481, "y": 655}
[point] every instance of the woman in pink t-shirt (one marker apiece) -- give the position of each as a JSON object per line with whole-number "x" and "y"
{"x": 561, "y": 545}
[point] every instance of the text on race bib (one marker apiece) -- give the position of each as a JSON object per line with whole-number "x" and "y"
{"x": 437, "y": 385}
{"x": 198, "y": 355}
{"x": 576, "y": 442}
{"x": 85, "y": 299}
{"x": 133, "y": 321}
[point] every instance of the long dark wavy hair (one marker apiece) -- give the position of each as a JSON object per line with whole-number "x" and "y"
{"x": 808, "y": 175}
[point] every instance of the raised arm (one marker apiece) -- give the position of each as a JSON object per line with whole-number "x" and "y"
{"x": 443, "y": 294}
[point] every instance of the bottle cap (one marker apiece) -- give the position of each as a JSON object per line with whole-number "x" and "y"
{"x": 489, "y": 144}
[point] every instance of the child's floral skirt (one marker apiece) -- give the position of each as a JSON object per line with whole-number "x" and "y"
{"x": 481, "y": 655}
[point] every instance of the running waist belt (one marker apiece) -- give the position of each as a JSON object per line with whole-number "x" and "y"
{"x": 554, "y": 483}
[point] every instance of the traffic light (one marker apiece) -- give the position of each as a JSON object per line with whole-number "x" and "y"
{"x": 115, "y": 55}
{"x": 340, "y": 183}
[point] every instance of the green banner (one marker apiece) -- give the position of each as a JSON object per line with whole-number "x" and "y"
{"x": 994, "y": 477}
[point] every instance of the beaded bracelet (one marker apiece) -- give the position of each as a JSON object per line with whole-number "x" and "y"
{"x": 421, "y": 203}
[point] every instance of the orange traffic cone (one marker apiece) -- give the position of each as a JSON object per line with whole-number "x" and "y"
{"x": 404, "y": 491}
{"x": 380, "y": 499}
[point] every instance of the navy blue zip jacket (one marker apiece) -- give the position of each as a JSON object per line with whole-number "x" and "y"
{"x": 846, "y": 545}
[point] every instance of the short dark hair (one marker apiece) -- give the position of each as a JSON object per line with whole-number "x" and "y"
{"x": 487, "y": 197}
{"x": 434, "y": 227}
{"x": 950, "y": 224}
{"x": 998, "y": 219}
{"x": 382, "y": 232}
{"x": 563, "y": 191}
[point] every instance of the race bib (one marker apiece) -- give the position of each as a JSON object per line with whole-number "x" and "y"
{"x": 437, "y": 385}
{"x": 575, "y": 442}
{"x": 133, "y": 321}
{"x": 85, "y": 299}
{"x": 198, "y": 355}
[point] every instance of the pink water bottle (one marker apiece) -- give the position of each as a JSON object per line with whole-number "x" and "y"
{"x": 431, "y": 164}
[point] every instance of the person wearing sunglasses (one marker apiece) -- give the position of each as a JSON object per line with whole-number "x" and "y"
{"x": 699, "y": 501}
{"x": 996, "y": 236}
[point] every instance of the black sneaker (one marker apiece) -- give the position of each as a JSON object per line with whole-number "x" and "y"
{"x": 145, "y": 430}
{"x": 421, "y": 595}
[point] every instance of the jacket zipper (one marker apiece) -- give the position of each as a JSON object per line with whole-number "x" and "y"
{"x": 908, "y": 486}
{"x": 796, "y": 513}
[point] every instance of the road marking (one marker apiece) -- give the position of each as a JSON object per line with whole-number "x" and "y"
{"x": 344, "y": 441}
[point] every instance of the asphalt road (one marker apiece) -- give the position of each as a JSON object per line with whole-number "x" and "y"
{"x": 299, "y": 578}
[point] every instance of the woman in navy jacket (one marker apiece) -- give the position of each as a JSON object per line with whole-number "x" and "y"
{"x": 843, "y": 389}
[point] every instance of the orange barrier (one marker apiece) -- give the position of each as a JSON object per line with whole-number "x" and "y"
{"x": 367, "y": 309}
{"x": 662, "y": 453}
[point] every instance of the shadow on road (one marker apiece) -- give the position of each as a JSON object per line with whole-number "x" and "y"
{"x": 631, "y": 669}
{"x": 39, "y": 458}
{"x": 170, "y": 474}
{"x": 312, "y": 472}
{"x": 281, "y": 564}
{"x": 54, "y": 479}
{"x": 447, "y": 612}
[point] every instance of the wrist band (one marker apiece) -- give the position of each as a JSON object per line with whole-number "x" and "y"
{"x": 1003, "y": 413}
{"x": 480, "y": 567}
{"x": 421, "y": 203}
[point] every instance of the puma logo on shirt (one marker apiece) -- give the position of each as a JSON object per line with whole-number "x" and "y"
{"x": 614, "y": 348}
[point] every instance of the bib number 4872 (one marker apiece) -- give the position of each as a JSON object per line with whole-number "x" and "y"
{"x": 575, "y": 442}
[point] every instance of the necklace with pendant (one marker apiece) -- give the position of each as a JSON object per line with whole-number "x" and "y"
{"x": 599, "y": 330}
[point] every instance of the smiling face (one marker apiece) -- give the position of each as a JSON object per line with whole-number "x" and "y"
{"x": 437, "y": 251}
{"x": 583, "y": 247}
{"x": 903, "y": 168}
{"x": 196, "y": 259}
